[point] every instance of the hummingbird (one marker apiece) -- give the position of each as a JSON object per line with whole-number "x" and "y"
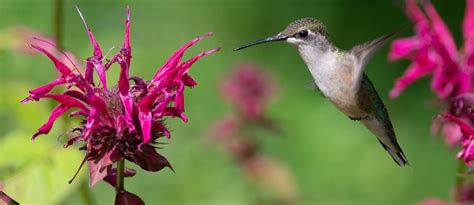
{"x": 339, "y": 75}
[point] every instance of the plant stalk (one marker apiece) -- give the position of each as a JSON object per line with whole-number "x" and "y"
{"x": 120, "y": 175}
{"x": 460, "y": 178}
{"x": 58, "y": 23}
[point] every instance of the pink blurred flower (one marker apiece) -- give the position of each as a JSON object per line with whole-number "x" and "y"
{"x": 467, "y": 193}
{"x": 274, "y": 177}
{"x": 248, "y": 88}
{"x": 464, "y": 196}
{"x": 457, "y": 126}
{"x": 226, "y": 127}
{"x": 228, "y": 133}
{"x": 433, "y": 201}
{"x": 4, "y": 198}
{"x": 450, "y": 131}
{"x": 433, "y": 51}
{"x": 467, "y": 143}
{"x": 123, "y": 121}
{"x": 22, "y": 37}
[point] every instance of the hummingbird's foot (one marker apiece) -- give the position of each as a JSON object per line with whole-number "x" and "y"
{"x": 358, "y": 118}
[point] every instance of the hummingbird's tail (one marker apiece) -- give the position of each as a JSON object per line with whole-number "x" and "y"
{"x": 383, "y": 130}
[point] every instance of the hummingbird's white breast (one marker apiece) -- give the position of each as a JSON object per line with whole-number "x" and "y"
{"x": 332, "y": 72}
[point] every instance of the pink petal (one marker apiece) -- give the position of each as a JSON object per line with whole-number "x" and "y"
{"x": 55, "y": 114}
{"x": 404, "y": 47}
{"x": 188, "y": 80}
{"x": 190, "y": 62}
{"x": 99, "y": 68}
{"x": 78, "y": 95}
{"x": 159, "y": 126}
{"x": 124, "y": 58}
{"x": 413, "y": 73}
{"x": 124, "y": 87}
{"x": 176, "y": 57}
{"x": 126, "y": 41}
{"x": 96, "y": 60}
{"x": 67, "y": 101}
{"x": 175, "y": 112}
{"x": 468, "y": 24}
{"x": 468, "y": 152}
{"x": 127, "y": 103}
{"x": 179, "y": 98}
{"x": 145, "y": 123}
{"x": 78, "y": 112}
{"x": 98, "y": 170}
{"x": 146, "y": 103}
{"x": 450, "y": 80}
{"x": 63, "y": 69}
{"x": 89, "y": 73}
{"x": 98, "y": 107}
{"x": 414, "y": 12}
{"x": 441, "y": 30}
{"x": 95, "y": 44}
{"x": 465, "y": 128}
{"x": 169, "y": 72}
{"x": 70, "y": 60}
{"x": 468, "y": 31}
{"x": 452, "y": 134}
{"x": 37, "y": 93}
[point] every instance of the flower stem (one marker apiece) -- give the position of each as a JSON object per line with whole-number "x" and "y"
{"x": 58, "y": 22}
{"x": 120, "y": 175}
{"x": 460, "y": 178}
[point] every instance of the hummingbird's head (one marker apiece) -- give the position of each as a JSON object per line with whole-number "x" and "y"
{"x": 305, "y": 31}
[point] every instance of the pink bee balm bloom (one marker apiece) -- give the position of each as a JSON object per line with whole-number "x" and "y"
{"x": 467, "y": 139}
{"x": 433, "y": 201}
{"x": 249, "y": 88}
{"x": 433, "y": 51}
{"x": 122, "y": 121}
{"x": 22, "y": 37}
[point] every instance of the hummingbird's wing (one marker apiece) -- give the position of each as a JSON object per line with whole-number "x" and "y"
{"x": 363, "y": 53}
{"x": 378, "y": 120}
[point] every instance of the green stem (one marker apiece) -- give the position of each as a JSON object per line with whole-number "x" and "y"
{"x": 58, "y": 23}
{"x": 460, "y": 178}
{"x": 120, "y": 175}
{"x": 85, "y": 193}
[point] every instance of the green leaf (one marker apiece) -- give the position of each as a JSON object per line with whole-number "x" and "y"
{"x": 37, "y": 172}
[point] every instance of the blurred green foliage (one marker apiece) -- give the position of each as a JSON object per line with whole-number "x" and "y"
{"x": 335, "y": 160}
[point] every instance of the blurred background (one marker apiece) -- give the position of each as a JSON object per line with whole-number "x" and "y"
{"x": 331, "y": 159}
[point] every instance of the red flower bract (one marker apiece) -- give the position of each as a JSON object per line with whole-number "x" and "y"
{"x": 123, "y": 121}
{"x": 433, "y": 51}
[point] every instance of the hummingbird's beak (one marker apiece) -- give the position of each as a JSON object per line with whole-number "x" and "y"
{"x": 278, "y": 37}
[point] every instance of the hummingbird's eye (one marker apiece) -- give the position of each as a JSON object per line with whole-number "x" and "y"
{"x": 303, "y": 33}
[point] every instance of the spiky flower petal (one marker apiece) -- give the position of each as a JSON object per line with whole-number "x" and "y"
{"x": 123, "y": 121}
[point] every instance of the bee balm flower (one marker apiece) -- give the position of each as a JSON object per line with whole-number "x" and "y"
{"x": 123, "y": 121}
